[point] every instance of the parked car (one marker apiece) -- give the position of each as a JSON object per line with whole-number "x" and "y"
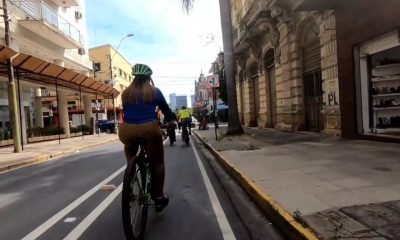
{"x": 106, "y": 126}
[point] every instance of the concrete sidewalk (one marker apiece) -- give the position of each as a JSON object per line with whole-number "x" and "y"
{"x": 339, "y": 188}
{"x": 39, "y": 152}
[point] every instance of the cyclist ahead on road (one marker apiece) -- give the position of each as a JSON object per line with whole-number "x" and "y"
{"x": 139, "y": 101}
{"x": 186, "y": 119}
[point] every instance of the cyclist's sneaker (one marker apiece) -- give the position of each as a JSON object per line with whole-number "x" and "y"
{"x": 161, "y": 203}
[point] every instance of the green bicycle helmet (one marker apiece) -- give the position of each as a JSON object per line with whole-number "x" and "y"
{"x": 141, "y": 70}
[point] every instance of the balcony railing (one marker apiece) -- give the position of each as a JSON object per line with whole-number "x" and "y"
{"x": 37, "y": 10}
{"x": 246, "y": 16}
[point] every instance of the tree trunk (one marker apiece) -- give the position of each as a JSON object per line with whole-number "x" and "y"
{"x": 234, "y": 126}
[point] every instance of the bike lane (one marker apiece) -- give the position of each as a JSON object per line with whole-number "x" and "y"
{"x": 191, "y": 213}
{"x": 196, "y": 210}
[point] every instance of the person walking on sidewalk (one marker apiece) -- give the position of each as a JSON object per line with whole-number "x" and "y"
{"x": 139, "y": 101}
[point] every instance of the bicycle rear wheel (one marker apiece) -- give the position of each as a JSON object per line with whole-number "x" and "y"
{"x": 187, "y": 140}
{"x": 134, "y": 200}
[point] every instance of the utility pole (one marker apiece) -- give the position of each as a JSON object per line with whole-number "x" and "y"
{"x": 96, "y": 68}
{"x": 12, "y": 92}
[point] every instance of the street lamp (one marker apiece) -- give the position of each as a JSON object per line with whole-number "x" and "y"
{"x": 112, "y": 79}
{"x": 119, "y": 44}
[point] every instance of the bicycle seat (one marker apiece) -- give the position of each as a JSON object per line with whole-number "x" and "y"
{"x": 140, "y": 141}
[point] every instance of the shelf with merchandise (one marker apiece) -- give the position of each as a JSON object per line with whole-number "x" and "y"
{"x": 386, "y": 108}
{"x": 386, "y": 95}
{"x": 385, "y": 130}
{"x": 391, "y": 65}
{"x": 385, "y": 79}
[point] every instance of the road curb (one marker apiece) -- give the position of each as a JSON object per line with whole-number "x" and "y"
{"x": 281, "y": 217}
{"x": 46, "y": 157}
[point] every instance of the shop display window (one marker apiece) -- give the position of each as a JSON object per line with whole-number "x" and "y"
{"x": 384, "y": 92}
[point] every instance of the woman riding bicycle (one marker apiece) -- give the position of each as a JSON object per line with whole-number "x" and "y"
{"x": 139, "y": 101}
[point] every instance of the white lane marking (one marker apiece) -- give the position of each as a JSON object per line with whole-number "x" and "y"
{"x": 85, "y": 224}
{"x": 53, "y": 220}
{"x": 223, "y": 223}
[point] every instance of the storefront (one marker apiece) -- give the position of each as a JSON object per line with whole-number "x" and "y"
{"x": 377, "y": 63}
{"x": 368, "y": 68}
{"x": 368, "y": 50}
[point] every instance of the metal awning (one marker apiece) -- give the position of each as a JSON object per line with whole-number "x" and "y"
{"x": 36, "y": 70}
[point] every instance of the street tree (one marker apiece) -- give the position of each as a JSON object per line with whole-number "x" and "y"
{"x": 234, "y": 126}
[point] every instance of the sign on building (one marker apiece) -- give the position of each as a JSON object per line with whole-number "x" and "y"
{"x": 96, "y": 67}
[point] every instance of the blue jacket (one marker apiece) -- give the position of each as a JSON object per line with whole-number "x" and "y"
{"x": 145, "y": 112}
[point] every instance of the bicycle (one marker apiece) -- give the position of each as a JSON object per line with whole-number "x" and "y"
{"x": 136, "y": 196}
{"x": 185, "y": 133}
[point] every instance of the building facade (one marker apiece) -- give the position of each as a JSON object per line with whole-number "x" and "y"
{"x": 53, "y": 31}
{"x": 113, "y": 69}
{"x": 368, "y": 40}
{"x": 203, "y": 94}
{"x": 286, "y": 66}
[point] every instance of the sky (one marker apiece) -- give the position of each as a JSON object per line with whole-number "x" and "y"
{"x": 177, "y": 46}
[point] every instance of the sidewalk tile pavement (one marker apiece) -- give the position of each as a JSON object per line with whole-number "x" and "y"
{"x": 341, "y": 188}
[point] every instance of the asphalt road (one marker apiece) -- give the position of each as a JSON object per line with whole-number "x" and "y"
{"x": 62, "y": 199}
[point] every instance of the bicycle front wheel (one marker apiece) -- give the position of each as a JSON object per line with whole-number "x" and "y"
{"x": 134, "y": 201}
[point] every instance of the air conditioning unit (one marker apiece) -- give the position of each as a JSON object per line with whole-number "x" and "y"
{"x": 111, "y": 82}
{"x": 81, "y": 51}
{"x": 78, "y": 15}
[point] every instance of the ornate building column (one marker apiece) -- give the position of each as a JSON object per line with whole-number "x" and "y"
{"x": 247, "y": 89}
{"x": 330, "y": 85}
{"x": 288, "y": 71}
